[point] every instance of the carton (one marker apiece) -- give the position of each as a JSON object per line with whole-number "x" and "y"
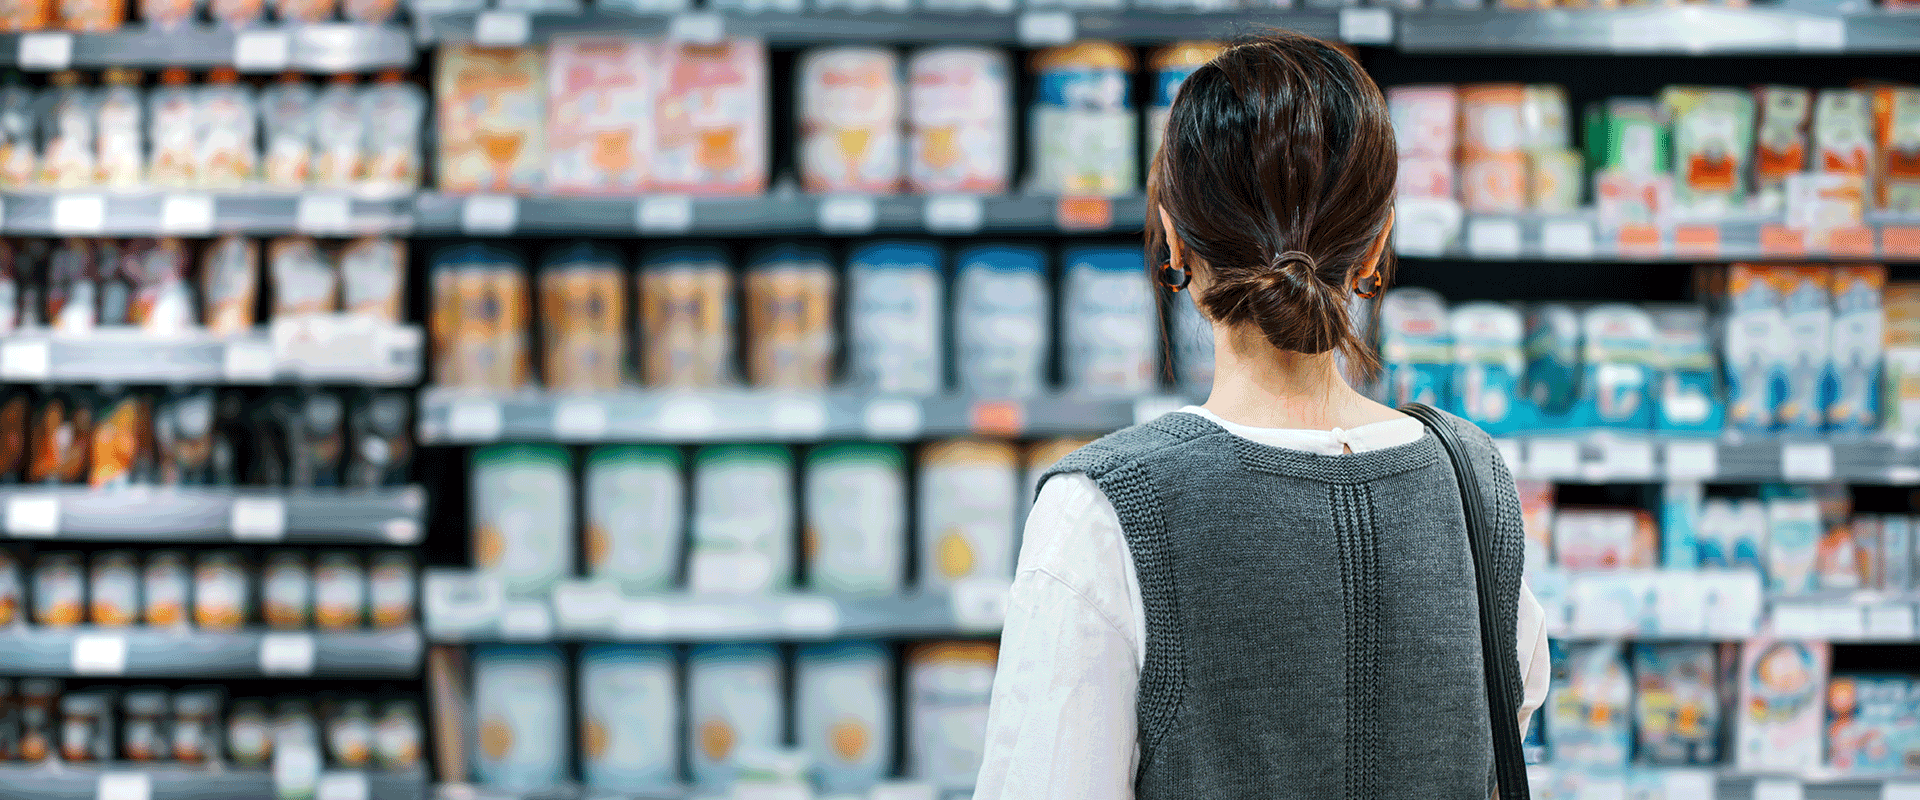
{"x": 522, "y": 499}
{"x": 1687, "y": 397}
{"x": 1591, "y": 717}
{"x": 790, "y": 317}
{"x": 1780, "y": 147}
{"x": 743, "y": 519}
{"x": 1109, "y": 322}
{"x": 1416, "y": 347}
{"x": 1896, "y": 115}
{"x": 1868, "y": 722}
{"x": 1843, "y": 133}
{"x": 966, "y": 506}
{"x": 1793, "y": 537}
{"x": 1083, "y": 124}
{"x": 1807, "y": 309}
{"x": 1487, "y": 339}
{"x": 1753, "y": 346}
{"x": 1676, "y": 706}
{"x": 1896, "y": 553}
{"x": 1425, "y": 121}
{"x": 959, "y": 122}
{"x": 1554, "y": 180}
{"x": 1858, "y": 338}
{"x": 734, "y": 703}
{"x": 519, "y": 716}
{"x": 600, "y": 115}
{"x": 843, "y": 698}
{"x": 1617, "y": 367}
{"x": 949, "y": 685}
{"x": 850, "y": 112}
{"x": 1781, "y": 685}
{"x": 711, "y": 128}
{"x": 1605, "y": 539}
{"x": 895, "y": 301}
{"x": 686, "y": 317}
{"x": 1712, "y": 136}
{"x": 1553, "y": 377}
{"x": 855, "y": 538}
{"x": 636, "y": 516}
{"x": 629, "y": 707}
{"x": 1002, "y": 320}
{"x": 491, "y": 113}
{"x": 1900, "y": 385}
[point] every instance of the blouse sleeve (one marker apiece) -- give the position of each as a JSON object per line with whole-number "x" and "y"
{"x": 1535, "y": 665}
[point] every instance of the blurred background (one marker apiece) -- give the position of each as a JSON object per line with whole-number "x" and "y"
{"x": 641, "y": 399}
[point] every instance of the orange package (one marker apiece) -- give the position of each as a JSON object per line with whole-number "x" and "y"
{"x": 600, "y": 104}
{"x": 491, "y": 105}
{"x": 711, "y": 119}
{"x": 1493, "y": 166}
{"x": 1896, "y": 129}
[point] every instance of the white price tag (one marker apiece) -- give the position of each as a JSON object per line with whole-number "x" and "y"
{"x": 342, "y": 786}
{"x": 123, "y": 786}
{"x": 46, "y": 50}
{"x": 1604, "y": 787}
{"x": 697, "y": 28}
{"x": 1148, "y": 409}
{"x": 955, "y": 214}
{"x": 891, "y": 418}
{"x": 1692, "y": 460}
{"x": 1820, "y": 35}
{"x": 580, "y": 420}
{"x": 287, "y": 654}
{"x": 1492, "y": 238}
{"x": 1807, "y": 461}
{"x": 489, "y": 215}
{"x": 1797, "y": 621}
{"x": 460, "y": 602}
{"x": 323, "y": 213}
{"x": 1624, "y": 460}
{"x": 1567, "y": 238}
{"x": 754, "y": 790}
{"x": 798, "y": 417}
{"x": 26, "y": 361}
{"x": 848, "y": 215}
{"x": 1778, "y": 789}
{"x": 1688, "y": 783}
{"x": 1046, "y": 28}
{"x": 585, "y": 604}
{"x": 186, "y": 214}
{"x": 259, "y": 519}
{"x": 501, "y": 29}
{"x": 729, "y": 573}
{"x": 1509, "y": 453}
{"x": 1903, "y": 475}
{"x": 643, "y": 619}
{"x": 1420, "y": 237}
{"x": 1890, "y": 622}
{"x": 1842, "y": 622}
{"x": 666, "y": 214}
{"x": 903, "y": 790}
{"x": 261, "y": 51}
{"x": 1366, "y": 26}
{"x": 980, "y": 604}
{"x": 99, "y": 654}
{"x": 247, "y": 361}
{"x": 33, "y": 517}
{"x": 1553, "y": 458}
{"x": 526, "y": 621}
{"x": 810, "y": 617}
{"x": 473, "y": 420}
{"x": 687, "y": 417}
{"x": 1900, "y": 790}
{"x": 79, "y": 215}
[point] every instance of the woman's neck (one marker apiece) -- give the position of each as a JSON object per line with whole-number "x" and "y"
{"x": 1258, "y": 385}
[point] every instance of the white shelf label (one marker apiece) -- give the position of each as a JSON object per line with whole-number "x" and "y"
{"x": 1366, "y": 26}
{"x": 33, "y": 517}
{"x": 46, "y": 50}
{"x": 259, "y": 519}
{"x": 473, "y": 420}
{"x": 955, "y": 214}
{"x": 261, "y": 51}
{"x": 892, "y": 418}
{"x": 26, "y": 361}
{"x": 687, "y": 417}
{"x": 1567, "y": 238}
{"x": 1778, "y": 789}
{"x": 799, "y": 417}
{"x": 323, "y": 213}
{"x": 1900, "y": 790}
{"x": 580, "y": 420}
{"x": 1891, "y": 622}
{"x": 1604, "y": 787}
{"x": 342, "y": 786}
{"x": 1420, "y": 237}
{"x": 666, "y": 214}
{"x": 1692, "y": 460}
{"x": 697, "y": 28}
{"x": 247, "y": 360}
{"x": 810, "y": 617}
{"x": 643, "y": 619}
{"x": 526, "y": 621}
{"x": 1045, "y": 28}
{"x": 287, "y": 654}
{"x": 903, "y": 790}
{"x": 186, "y": 214}
{"x": 980, "y": 604}
{"x": 99, "y": 654}
{"x": 729, "y": 573}
{"x": 1844, "y": 621}
{"x": 79, "y": 215}
{"x": 753, "y": 790}
{"x": 1797, "y": 621}
{"x": 1148, "y": 409}
{"x": 123, "y": 786}
{"x": 1820, "y": 35}
{"x": 1624, "y": 459}
{"x": 1684, "y": 783}
{"x": 489, "y": 214}
{"x": 1553, "y": 458}
{"x": 848, "y": 215}
{"x": 501, "y": 29}
{"x": 1492, "y": 238}
{"x": 1808, "y": 461}
{"x": 585, "y": 604}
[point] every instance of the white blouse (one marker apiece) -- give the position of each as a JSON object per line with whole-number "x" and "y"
{"x": 1062, "y": 721}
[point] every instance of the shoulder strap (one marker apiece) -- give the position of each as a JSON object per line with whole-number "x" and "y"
{"x": 1510, "y": 769}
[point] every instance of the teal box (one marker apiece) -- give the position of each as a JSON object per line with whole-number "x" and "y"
{"x": 1416, "y": 348}
{"x": 1686, "y": 399}
{"x": 1803, "y": 382}
{"x": 1752, "y": 343}
{"x": 1487, "y": 363}
{"x": 629, "y": 713}
{"x": 1617, "y": 367}
{"x": 1681, "y": 507}
{"x": 1552, "y": 350}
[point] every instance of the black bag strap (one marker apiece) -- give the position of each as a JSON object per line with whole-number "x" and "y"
{"x": 1509, "y": 764}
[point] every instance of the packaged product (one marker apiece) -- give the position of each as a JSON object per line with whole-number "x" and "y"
{"x": 1171, "y": 66}
{"x": 304, "y": 280}
{"x": 162, "y": 300}
{"x": 1754, "y": 347}
{"x": 26, "y": 15}
{"x": 339, "y": 591}
{"x": 1605, "y": 538}
{"x": 734, "y": 702}
{"x": 303, "y": 12}
{"x": 850, "y": 120}
{"x": 1686, "y": 398}
{"x": 37, "y": 724}
{"x": 959, "y": 123}
{"x": 686, "y": 317}
{"x": 1807, "y": 307}
{"x": 481, "y": 312}
{"x": 395, "y": 112}
{"x": 143, "y": 734}
{"x": 340, "y": 126}
{"x": 1493, "y": 164}
{"x": 1896, "y": 553}
{"x": 119, "y": 159}
{"x": 61, "y": 432}
{"x": 195, "y": 733}
{"x": 1627, "y": 144}
{"x": 113, "y": 589}
{"x": 1868, "y": 720}
{"x": 15, "y": 408}
{"x": 369, "y": 12}
{"x": 966, "y": 504}
{"x": 1793, "y": 536}
{"x": 711, "y": 127}
{"x": 636, "y": 517}
{"x": 1487, "y": 340}
{"x": 523, "y": 515}
{"x": 583, "y": 316}
{"x": 895, "y": 331}
{"x": 948, "y": 687}
{"x": 1554, "y": 180}
{"x": 111, "y": 289}
{"x": 856, "y": 532}
{"x": 1545, "y": 118}
{"x": 1680, "y": 525}
{"x": 91, "y": 16}
{"x": 1083, "y": 124}
{"x": 628, "y": 710}
{"x": 165, "y": 585}
{"x": 1781, "y": 685}
{"x": 1896, "y": 169}
{"x": 1536, "y": 518}
{"x": 19, "y": 137}
{"x": 1618, "y": 361}
{"x": 1109, "y": 320}
{"x": 390, "y": 589}
{"x": 228, "y": 132}
{"x": 397, "y": 736}
{"x": 1676, "y": 704}
{"x": 121, "y": 445}
{"x": 1191, "y": 342}
{"x": 1843, "y": 132}
{"x": 349, "y": 732}
{"x": 379, "y": 441}
{"x": 59, "y": 590}
{"x": 86, "y": 726}
{"x": 67, "y": 133}
{"x": 319, "y": 445}
{"x": 237, "y": 13}
{"x": 600, "y": 115}
{"x": 1900, "y": 363}
{"x": 843, "y": 698}
{"x": 249, "y": 741}
{"x": 1590, "y": 716}
{"x": 1712, "y": 136}
{"x": 73, "y": 287}
{"x": 1780, "y": 142}
{"x": 11, "y": 588}
{"x": 491, "y": 115}
{"x": 1416, "y": 347}
{"x": 1857, "y": 337}
{"x": 287, "y": 123}
{"x": 789, "y": 315}
{"x": 1850, "y": 554}
{"x": 286, "y": 590}
{"x": 743, "y": 519}
{"x": 520, "y": 716}
{"x": 220, "y": 591}
{"x": 184, "y": 441}
{"x": 1002, "y": 319}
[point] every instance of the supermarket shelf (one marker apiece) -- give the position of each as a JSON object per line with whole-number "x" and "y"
{"x": 320, "y": 212}
{"x": 1689, "y": 30}
{"x": 1579, "y": 238}
{"x": 329, "y": 48}
{"x": 170, "y": 514}
{"x": 197, "y": 654}
{"x": 327, "y": 349}
{"x": 1602, "y": 457}
{"x": 85, "y": 782}
{"x": 1732, "y": 783}
{"x": 774, "y": 215}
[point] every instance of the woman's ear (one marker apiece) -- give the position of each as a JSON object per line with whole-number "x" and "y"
{"x": 1370, "y": 266}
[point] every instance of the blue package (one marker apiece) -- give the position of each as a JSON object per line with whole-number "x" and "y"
{"x": 1616, "y": 370}
{"x": 1591, "y": 718}
{"x": 895, "y": 301}
{"x": 844, "y": 713}
{"x": 519, "y": 717}
{"x": 1487, "y": 365}
{"x": 1110, "y": 327}
{"x": 1002, "y": 320}
{"x": 1869, "y": 723}
{"x": 1680, "y": 522}
{"x": 1753, "y": 340}
{"x": 1807, "y": 310}
{"x": 1676, "y": 704}
{"x": 1553, "y": 364}
{"x": 629, "y": 714}
{"x": 1794, "y": 529}
{"x": 1416, "y": 347}
{"x": 1685, "y": 399}
{"x": 1858, "y": 338}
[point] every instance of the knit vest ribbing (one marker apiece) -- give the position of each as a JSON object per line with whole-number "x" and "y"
{"x": 1311, "y": 620}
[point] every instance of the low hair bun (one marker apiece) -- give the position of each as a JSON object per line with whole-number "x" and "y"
{"x": 1294, "y": 307}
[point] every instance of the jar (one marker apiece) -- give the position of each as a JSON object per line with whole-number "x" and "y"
{"x": 143, "y": 730}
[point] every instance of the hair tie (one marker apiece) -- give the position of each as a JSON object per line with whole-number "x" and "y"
{"x": 1293, "y": 258}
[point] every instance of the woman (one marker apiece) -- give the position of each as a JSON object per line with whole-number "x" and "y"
{"x": 1271, "y": 595}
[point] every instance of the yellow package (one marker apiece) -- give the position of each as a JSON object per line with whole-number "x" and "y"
{"x": 492, "y": 118}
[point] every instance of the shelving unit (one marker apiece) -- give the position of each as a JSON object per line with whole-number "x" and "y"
{"x": 190, "y": 213}
{"x": 184, "y": 514}
{"x": 313, "y": 350}
{"x": 198, "y": 654}
{"x": 129, "y": 781}
{"x": 326, "y": 48}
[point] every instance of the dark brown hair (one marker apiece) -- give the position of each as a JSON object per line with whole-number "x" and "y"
{"x": 1278, "y": 171}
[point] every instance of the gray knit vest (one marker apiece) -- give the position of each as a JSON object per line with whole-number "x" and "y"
{"x": 1312, "y": 628}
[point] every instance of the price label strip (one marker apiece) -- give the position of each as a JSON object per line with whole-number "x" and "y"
{"x": 892, "y": 418}
{"x": 123, "y": 786}
{"x": 580, "y": 420}
{"x": 261, "y": 51}
{"x": 665, "y": 215}
{"x": 26, "y": 361}
{"x": 287, "y": 654}
{"x": 33, "y": 517}
{"x": 186, "y": 214}
{"x": 259, "y": 519}
{"x": 102, "y": 654}
{"x": 1809, "y": 461}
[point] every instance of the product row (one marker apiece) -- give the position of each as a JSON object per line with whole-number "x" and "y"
{"x": 645, "y": 716}
{"x": 1008, "y": 6}
{"x": 222, "y": 134}
{"x": 753, "y": 518}
{"x": 40, "y": 720}
{"x": 72, "y": 286}
{"x": 1765, "y": 704}
{"x": 1692, "y": 153}
{"x": 202, "y": 437}
{"x": 1776, "y": 348}
{"x": 785, "y": 317}
{"x": 211, "y": 590}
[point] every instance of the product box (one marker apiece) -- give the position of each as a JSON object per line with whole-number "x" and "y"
{"x": 1680, "y": 525}
{"x": 1843, "y": 132}
{"x": 583, "y": 318}
{"x": 1618, "y": 360}
{"x": 1553, "y": 377}
{"x": 1712, "y": 137}
{"x": 1003, "y": 320}
{"x": 1555, "y": 180}
{"x": 735, "y": 703}
{"x": 1857, "y": 338}
{"x": 1900, "y": 384}
{"x": 895, "y": 308}
{"x": 1780, "y": 146}
{"x": 686, "y": 317}
{"x": 1793, "y": 537}
{"x": 959, "y": 120}
{"x": 948, "y": 687}
{"x": 1627, "y": 149}
{"x": 1487, "y": 363}
{"x": 1676, "y": 705}
{"x": 600, "y": 115}
{"x": 1807, "y": 309}
{"x": 1591, "y": 719}
{"x": 850, "y": 104}
{"x": 629, "y": 710}
{"x": 855, "y": 539}
{"x": 1083, "y": 128}
{"x": 710, "y": 124}
{"x": 843, "y": 701}
{"x": 1753, "y": 347}
{"x": 636, "y": 516}
{"x": 1781, "y": 686}
{"x": 966, "y": 507}
{"x": 1896, "y": 117}
{"x": 743, "y": 519}
{"x": 1416, "y": 347}
{"x": 520, "y": 717}
{"x": 1109, "y": 322}
{"x": 523, "y": 523}
{"x": 1869, "y": 721}
{"x": 1536, "y": 518}
{"x": 1425, "y": 120}
{"x": 1896, "y": 553}
{"x": 1546, "y": 121}
{"x": 789, "y": 302}
{"x": 491, "y": 113}
{"x": 1605, "y": 538}
{"x": 1687, "y": 396}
